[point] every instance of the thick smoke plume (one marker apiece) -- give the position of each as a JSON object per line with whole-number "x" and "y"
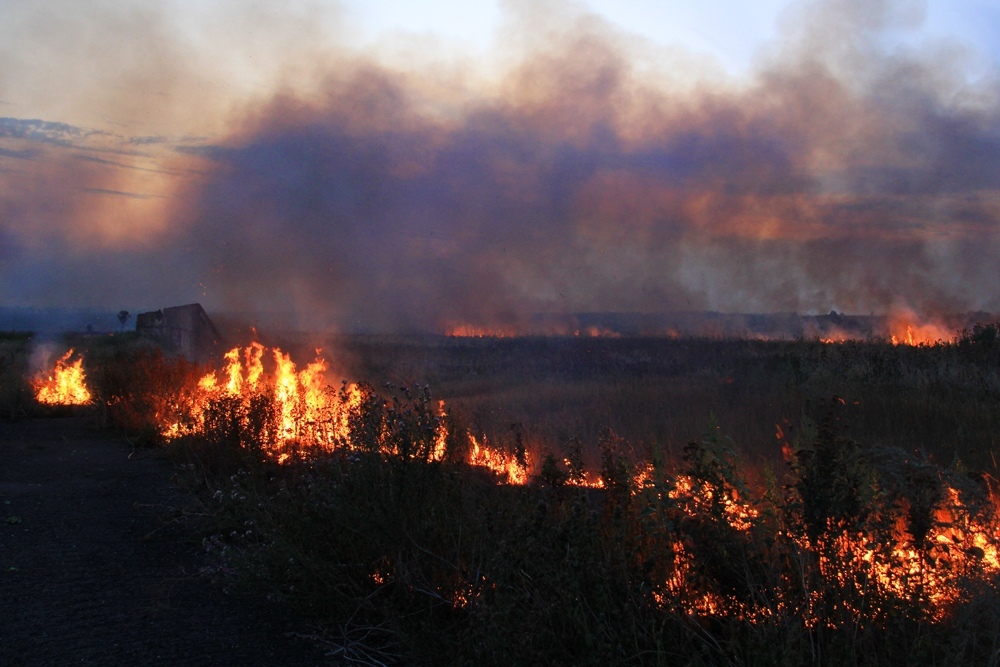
{"x": 585, "y": 171}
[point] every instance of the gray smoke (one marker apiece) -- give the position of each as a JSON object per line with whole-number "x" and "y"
{"x": 845, "y": 173}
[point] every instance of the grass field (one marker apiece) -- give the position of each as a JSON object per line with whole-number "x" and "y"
{"x": 661, "y": 393}
{"x": 760, "y": 502}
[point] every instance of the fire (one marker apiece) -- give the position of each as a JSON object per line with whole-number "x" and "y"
{"x": 836, "y": 335}
{"x": 872, "y": 566}
{"x": 587, "y": 480}
{"x": 906, "y": 328}
{"x": 503, "y": 464}
{"x": 696, "y": 499}
{"x": 594, "y": 331}
{"x": 301, "y": 399}
{"x": 473, "y": 331}
{"x": 310, "y": 414}
{"x": 870, "y": 572}
{"x": 441, "y": 437}
{"x": 66, "y": 385}
{"x": 958, "y": 546}
{"x": 683, "y": 589}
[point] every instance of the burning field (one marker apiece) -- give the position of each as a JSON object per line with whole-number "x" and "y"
{"x": 542, "y": 432}
{"x": 798, "y": 513}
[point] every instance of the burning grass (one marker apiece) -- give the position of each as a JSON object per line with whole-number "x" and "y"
{"x": 852, "y": 555}
{"x": 66, "y": 385}
{"x": 380, "y": 511}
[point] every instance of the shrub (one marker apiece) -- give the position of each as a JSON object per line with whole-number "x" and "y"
{"x": 140, "y": 389}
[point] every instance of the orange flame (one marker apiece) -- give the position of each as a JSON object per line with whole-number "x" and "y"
{"x": 506, "y": 465}
{"x": 906, "y": 328}
{"x": 66, "y": 385}
{"x": 961, "y": 546}
{"x": 311, "y": 414}
{"x": 300, "y": 398}
{"x": 473, "y": 331}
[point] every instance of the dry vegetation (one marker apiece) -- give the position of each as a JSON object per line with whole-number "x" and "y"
{"x": 761, "y": 502}
{"x": 661, "y": 393}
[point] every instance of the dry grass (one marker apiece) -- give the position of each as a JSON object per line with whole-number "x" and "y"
{"x": 435, "y": 562}
{"x": 660, "y": 393}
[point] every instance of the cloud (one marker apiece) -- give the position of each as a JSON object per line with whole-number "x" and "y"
{"x": 25, "y": 154}
{"x": 119, "y": 193}
{"x": 61, "y": 134}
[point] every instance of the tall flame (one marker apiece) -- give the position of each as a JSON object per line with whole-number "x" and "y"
{"x": 66, "y": 385}
{"x": 310, "y": 414}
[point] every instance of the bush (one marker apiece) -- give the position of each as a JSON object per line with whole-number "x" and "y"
{"x": 140, "y": 390}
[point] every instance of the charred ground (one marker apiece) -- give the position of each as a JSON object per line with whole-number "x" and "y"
{"x": 100, "y": 566}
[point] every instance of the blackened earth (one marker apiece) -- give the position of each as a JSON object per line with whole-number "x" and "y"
{"x": 93, "y": 572}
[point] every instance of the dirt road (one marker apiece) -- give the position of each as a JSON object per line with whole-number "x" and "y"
{"x": 86, "y": 577}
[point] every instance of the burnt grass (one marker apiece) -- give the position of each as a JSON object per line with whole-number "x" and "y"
{"x": 408, "y": 561}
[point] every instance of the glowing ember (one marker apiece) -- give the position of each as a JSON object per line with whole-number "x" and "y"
{"x": 66, "y": 385}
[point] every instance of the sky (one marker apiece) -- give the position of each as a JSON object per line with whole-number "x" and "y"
{"x": 729, "y": 31}
{"x": 389, "y": 165}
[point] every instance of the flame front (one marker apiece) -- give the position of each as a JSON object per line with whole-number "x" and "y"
{"x": 498, "y": 461}
{"x": 67, "y": 385}
{"x": 868, "y": 569}
{"x": 310, "y": 414}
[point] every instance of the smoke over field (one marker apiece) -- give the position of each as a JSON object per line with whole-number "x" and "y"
{"x": 576, "y": 169}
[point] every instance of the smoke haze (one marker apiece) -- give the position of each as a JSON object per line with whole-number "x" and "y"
{"x": 578, "y": 169}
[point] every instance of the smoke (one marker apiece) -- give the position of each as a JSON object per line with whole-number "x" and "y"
{"x": 583, "y": 171}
